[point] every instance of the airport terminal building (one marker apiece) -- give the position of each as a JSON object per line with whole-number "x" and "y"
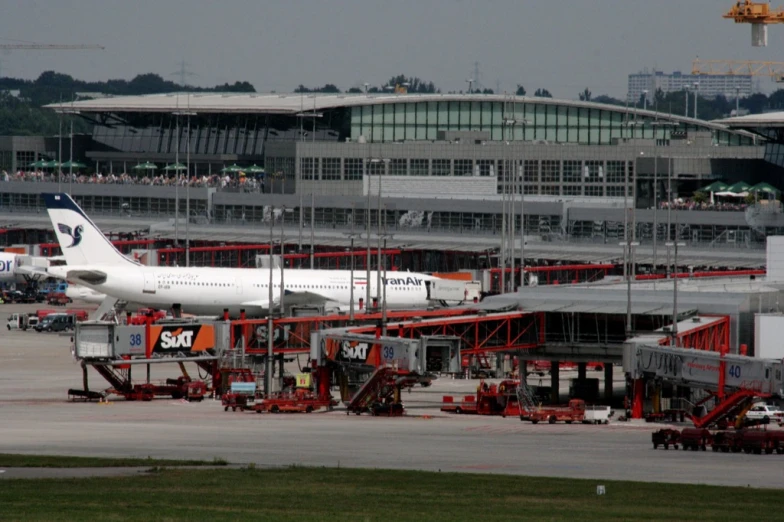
{"x": 574, "y": 163}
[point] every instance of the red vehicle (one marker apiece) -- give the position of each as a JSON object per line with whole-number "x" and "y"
{"x": 491, "y": 399}
{"x": 57, "y": 299}
{"x": 301, "y": 401}
{"x": 574, "y": 412}
{"x": 140, "y": 317}
{"x": 666, "y": 438}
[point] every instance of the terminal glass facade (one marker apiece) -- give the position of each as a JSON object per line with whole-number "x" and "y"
{"x": 520, "y": 121}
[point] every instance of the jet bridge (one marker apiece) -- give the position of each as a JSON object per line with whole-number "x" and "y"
{"x": 113, "y": 350}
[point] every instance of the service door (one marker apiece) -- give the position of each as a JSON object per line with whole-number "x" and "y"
{"x": 149, "y": 282}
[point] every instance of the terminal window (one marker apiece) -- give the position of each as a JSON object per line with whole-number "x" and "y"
{"x": 464, "y": 167}
{"x": 306, "y": 168}
{"x": 551, "y": 171}
{"x": 330, "y": 169}
{"x": 420, "y": 167}
{"x": 531, "y": 171}
{"x": 594, "y": 191}
{"x": 352, "y": 168}
{"x": 615, "y": 172}
{"x": 551, "y": 190}
{"x": 572, "y": 190}
{"x": 485, "y": 167}
{"x": 572, "y": 172}
{"x": 442, "y": 167}
{"x": 398, "y": 167}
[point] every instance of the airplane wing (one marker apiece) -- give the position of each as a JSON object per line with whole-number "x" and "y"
{"x": 260, "y": 305}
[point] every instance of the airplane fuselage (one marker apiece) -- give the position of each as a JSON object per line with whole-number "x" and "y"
{"x": 208, "y": 291}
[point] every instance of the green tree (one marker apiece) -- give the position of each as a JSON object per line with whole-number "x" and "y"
{"x": 520, "y": 90}
{"x": 585, "y": 95}
{"x": 543, "y": 93}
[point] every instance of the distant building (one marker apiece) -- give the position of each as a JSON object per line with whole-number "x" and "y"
{"x": 728, "y": 85}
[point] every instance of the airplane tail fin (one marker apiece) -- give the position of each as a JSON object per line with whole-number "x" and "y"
{"x": 81, "y": 241}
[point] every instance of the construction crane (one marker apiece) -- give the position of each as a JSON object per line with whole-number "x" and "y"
{"x": 759, "y": 15}
{"x": 47, "y": 47}
{"x": 774, "y": 70}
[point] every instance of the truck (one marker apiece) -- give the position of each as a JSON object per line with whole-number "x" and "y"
{"x": 21, "y": 321}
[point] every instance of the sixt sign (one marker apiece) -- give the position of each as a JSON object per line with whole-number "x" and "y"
{"x": 403, "y": 281}
{"x": 186, "y": 338}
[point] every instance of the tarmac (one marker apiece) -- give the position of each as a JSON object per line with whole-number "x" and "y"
{"x": 37, "y": 418}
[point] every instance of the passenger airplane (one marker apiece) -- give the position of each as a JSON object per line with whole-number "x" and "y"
{"x": 7, "y": 264}
{"x": 94, "y": 262}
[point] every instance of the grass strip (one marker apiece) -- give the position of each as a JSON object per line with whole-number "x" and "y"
{"x": 327, "y": 494}
{"x": 13, "y": 460}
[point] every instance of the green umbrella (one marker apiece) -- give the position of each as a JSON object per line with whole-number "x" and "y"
{"x": 738, "y": 188}
{"x": 73, "y": 165}
{"x": 232, "y": 168}
{"x": 175, "y": 166}
{"x": 716, "y": 186}
{"x": 40, "y": 164}
{"x": 51, "y": 164}
{"x": 255, "y": 169}
{"x": 765, "y": 187}
{"x": 145, "y": 166}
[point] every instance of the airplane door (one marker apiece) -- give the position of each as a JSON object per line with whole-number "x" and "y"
{"x": 149, "y": 282}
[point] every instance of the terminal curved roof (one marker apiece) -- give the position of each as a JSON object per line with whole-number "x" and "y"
{"x": 292, "y": 104}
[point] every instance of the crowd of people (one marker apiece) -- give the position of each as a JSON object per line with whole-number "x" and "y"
{"x": 718, "y": 206}
{"x": 219, "y": 181}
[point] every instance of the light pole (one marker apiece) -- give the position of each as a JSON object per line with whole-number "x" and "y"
{"x": 384, "y": 294}
{"x": 674, "y": 331}
{"x": 351, "y": 236}
{"x": 187, "y": 113}
{"x": 645, "y": 99}
{"x": 696, "y": 97}
{"x": 656, "y": 126}
{"x": 60, "y": 150}
{"x": 470, "y": 84}
{"x": 737, "y": 100}
{"x": 270, "y": 347}
{"x": 177, "y": 174}
{"x": 282, "y": 263}
{"x": 686, "y": 92}
{"x": 628, "y": 249}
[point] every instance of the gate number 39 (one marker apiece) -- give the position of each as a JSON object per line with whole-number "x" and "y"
{"x": 734, "y": 371}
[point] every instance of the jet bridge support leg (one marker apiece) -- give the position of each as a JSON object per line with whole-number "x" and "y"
{"x": 638, "y": 395}
{"x": 608, "y": 382}
{"x": 582, "y": 371}
{"x": 555, "y": 384}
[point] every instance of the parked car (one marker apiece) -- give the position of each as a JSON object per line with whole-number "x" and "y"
{"x": 765, "y": 412}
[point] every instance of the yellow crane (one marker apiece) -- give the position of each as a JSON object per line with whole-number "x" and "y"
{"x": 760, "y": 15}
{"x": 774, "y": 70}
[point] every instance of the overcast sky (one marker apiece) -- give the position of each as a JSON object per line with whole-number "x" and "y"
{"x": 562, "y": 45}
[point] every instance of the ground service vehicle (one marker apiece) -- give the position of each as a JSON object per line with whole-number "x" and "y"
{"x": 22, "y": 321}
{"x": 765, "y": 412}
{"x": 574, "y": 412}
{"x": 54, "y": 323}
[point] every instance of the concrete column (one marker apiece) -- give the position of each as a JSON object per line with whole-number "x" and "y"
{"x": 555, "y": 396}
{"x": 581, "y": 371}
{"x": 608, "y": 382}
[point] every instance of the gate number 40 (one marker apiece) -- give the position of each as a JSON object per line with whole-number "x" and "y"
{"x": 734, "y": 371}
